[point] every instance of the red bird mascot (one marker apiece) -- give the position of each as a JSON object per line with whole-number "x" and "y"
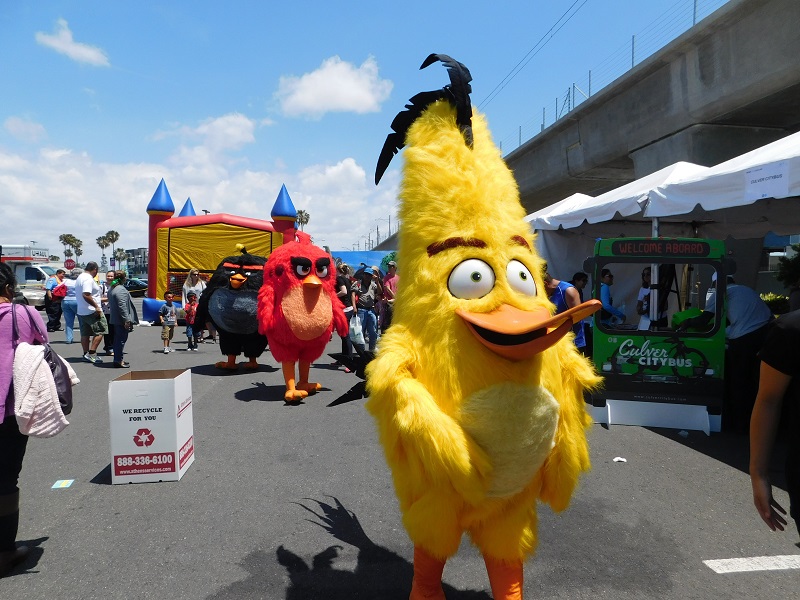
{"x": 298, "y": 310}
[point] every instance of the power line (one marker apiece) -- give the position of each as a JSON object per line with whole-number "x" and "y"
{"x": 531, "y": 53}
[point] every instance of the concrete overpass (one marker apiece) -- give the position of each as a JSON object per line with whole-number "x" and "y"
{"x": 726, "y": 86}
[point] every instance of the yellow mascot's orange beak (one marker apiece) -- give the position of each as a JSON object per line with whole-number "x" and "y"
{"x": 519, "y": 334}
{"x": 237, "y": 280}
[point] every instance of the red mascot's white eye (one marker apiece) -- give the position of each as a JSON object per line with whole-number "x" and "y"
{"x": 471, "y": 279}
{"x": 322, "y": 271}
{"x": 302, "y": 270}
{"x": 520, "y": 278}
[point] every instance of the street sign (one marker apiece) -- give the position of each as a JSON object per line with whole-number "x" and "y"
{"x": 69, "y": 264}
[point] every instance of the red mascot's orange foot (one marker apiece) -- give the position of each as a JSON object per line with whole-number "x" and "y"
{"x": 230, "y": 365}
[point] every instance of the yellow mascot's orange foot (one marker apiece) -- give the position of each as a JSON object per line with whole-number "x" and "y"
{"x": 505, "y": 578}
{"x": 251, "y": 365}
{"x": 229, "y": 365}
{"x": 309, "y": 386}
{"x": 427, "y": 583}
{"x": 293, "y": 395}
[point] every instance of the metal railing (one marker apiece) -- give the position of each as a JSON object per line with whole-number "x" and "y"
{"x": 683, "y": 15}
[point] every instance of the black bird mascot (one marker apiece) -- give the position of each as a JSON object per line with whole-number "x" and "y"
{"x": 230, "y": 302}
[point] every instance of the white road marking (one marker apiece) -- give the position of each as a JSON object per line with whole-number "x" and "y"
{"x": 754, "y": 563}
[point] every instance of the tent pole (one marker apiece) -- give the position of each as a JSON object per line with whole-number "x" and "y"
{"x": 654, "y": 277}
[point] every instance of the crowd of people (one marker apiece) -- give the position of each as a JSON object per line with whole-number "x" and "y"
{"x": 368, "y": 296}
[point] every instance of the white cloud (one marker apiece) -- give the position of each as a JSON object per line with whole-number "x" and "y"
{"x": 24, "y": 129}
{"x": 86, "y": 197}
{"x": 61, "y": 41}
{"x": 228, "y": 132}
{"x": 337, "y": 86}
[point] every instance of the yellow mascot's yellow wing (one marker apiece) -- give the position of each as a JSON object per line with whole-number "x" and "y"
{"x": 425, "y": 444}
{"x": 565, "y": 369}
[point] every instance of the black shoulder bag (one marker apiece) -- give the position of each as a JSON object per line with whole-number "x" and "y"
{"x": 57, "y": 365}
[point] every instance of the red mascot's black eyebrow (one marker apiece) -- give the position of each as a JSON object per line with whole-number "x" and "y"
{"x": 300, "y": 261}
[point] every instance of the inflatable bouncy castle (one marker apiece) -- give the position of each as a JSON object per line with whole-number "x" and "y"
{"x": 178, "y": 244}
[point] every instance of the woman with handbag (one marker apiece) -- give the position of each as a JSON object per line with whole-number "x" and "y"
{"x": 123, "y": 316}
{"x": 12, "y": 442}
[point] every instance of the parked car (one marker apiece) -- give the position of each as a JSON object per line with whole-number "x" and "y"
{"x": 136, "y": 287}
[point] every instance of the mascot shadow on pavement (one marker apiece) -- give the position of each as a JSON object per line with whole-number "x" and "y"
{"x": 379, "y": 572}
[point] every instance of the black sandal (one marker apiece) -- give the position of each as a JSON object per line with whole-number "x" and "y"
{"x": 122, "y": 365}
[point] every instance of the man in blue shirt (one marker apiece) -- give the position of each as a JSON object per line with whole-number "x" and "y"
{"x": 608, "y": 312}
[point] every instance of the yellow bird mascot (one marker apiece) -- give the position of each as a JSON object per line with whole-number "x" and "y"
{"x": 476, "y": 388}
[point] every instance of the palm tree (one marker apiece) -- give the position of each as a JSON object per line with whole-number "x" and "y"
{"x": 120, "y": 255}
{"x": 68, "y": 240}
{"x": 64, "y": 240}
{"x": 112, "y": 237}
{"x": 103, "y": 242}
{"x": 303, "y": 217}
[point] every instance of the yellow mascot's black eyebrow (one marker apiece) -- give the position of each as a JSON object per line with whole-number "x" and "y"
{"x": 454, "y": 242}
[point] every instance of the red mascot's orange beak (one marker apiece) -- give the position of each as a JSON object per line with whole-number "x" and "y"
{"x": 312, "y": 281}
{"x": 519, "y": 334}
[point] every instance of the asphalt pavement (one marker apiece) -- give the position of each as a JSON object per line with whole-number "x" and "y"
{"x": 296, "y": 502}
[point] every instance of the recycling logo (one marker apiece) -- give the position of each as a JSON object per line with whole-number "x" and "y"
{"x": 144, "y": 437}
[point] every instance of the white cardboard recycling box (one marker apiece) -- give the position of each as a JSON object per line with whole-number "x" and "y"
{"x": 152, "y": 432}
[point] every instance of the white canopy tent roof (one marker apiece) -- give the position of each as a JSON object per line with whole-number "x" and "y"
{"x": 743, "y": 198}
{"x": 628, "y": 200}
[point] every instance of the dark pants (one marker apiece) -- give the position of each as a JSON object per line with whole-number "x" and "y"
{"x": 12, "y": 451}
{"x": 742, "y": 367}
{"x": 388, "y": 313}
{"x": 118, "y": 344}
{"x": 108, "y": 339}
{"x": 347, "y": 345}
{"x": 53, "y": 310}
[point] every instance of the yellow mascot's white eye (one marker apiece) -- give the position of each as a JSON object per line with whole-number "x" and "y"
{"x": 471, "y": 279}
{"x": 520, "y": 278}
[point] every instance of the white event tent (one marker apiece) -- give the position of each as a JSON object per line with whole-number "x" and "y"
{"x": 742, "y": 198}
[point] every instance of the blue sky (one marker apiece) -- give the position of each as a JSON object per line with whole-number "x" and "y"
{"x": 228, "y": 100}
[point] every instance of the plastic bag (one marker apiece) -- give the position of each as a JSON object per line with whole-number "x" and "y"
{"x": 356, "y": 335}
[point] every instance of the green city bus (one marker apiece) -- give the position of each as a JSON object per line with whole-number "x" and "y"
{"x": 651, "y": 361}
